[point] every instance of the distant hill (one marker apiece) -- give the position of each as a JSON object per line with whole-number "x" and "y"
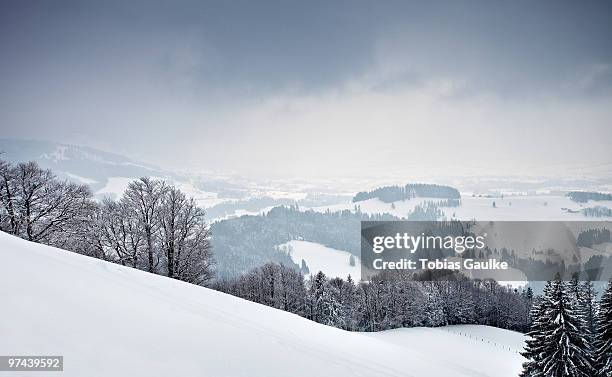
{"x": 389, "y": 194}
{"x": 108, "y": 173}
{"x": 77, "y": 163}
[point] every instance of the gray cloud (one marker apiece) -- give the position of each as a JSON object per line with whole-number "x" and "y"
{"x": 298, "y": 86}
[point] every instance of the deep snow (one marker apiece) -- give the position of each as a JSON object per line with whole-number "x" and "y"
{"x": 109, "y": 320}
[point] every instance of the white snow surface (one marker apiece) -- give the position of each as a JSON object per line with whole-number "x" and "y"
{"x": 333, "y": 262}
{"x": 522, "y": 208}
{"x": 79, "y": 179}
{"x": 115, "y": 186}
{"x": 109, "y": 320}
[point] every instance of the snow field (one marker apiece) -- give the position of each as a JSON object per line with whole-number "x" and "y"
{"x": 106, "y": 320}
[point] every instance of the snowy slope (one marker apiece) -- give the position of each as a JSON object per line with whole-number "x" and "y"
{"x": 108, "y": 320}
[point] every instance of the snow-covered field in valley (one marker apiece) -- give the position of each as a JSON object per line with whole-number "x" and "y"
{"x": 509, "y": 208}
{"x": 109, "y": 320}
{"x": 333, "y": 262}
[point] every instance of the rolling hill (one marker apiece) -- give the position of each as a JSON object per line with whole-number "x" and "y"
{"x": 106, "y": 320}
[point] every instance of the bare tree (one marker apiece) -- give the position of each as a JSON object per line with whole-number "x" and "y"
{"x": 8, "y": 217}
{"x": 185, "y": 238}
{"x": 144, "y": 197}
{"x": 39, "y": 207}
{"x": 120, "y": 233}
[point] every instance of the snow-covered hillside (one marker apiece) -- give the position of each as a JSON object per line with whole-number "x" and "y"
{"x": 109, "y": 320}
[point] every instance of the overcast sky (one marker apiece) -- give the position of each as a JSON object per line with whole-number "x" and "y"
{"x": 307, "y": 88}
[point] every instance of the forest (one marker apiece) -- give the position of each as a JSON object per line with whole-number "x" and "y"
{"x": 585, "y": 196}
{"x": 389, "y": 194}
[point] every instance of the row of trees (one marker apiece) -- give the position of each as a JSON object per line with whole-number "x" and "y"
{"x": 590, "y": 237}
{"x": 385, "y": 302}
{"x": 585, "y": 196}
{"x": 389, "y": 194}
{"x": 571, "y": 334}
{"x": 597, "y": 211}
{"x": 153, "y": 227}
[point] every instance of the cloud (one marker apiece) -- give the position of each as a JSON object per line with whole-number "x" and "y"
{"x": 317, "y": 89}
{"x": 361, "y": 128}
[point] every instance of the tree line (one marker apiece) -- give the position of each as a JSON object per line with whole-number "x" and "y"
{"x": 597, "y": 211}
{"x": 571, "y": 334}
{"x": 385, "y": 302}
{"x": 389, "y": 194}
{"x": 585, "y": 196}
{"x": 591, "y": 237}
{"x": 154, "y": 226}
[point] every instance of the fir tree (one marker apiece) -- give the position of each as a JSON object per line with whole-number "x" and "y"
{"x": 565, "y": 352}
{"x": 588, "y": 308}
{"x": 534, "y": 347}
{"x": 304, "y": 268}
{"x": 604, "y": 334}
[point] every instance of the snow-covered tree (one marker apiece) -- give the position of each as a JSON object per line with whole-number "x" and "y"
{"x": 535, "y": 344}
{"x": 37, "y": 206}
{"x": 184, "y": 237}
{"x": 603, "y": 341}
{"x": 144, "y": 197}
{"x": 587, "y": 302}
{"x": 565, "y": 351}
{"x": 433, "y": 311}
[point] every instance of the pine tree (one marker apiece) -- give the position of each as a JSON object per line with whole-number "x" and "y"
{"x": 350, "y": 302}
{"x": 583, "y": 297}
{"x": 317, "y": 297}
{"x": 332, "y": 309}
{"x": 434, "y": 316}
{"x": 304, "y": 268}
{"x": 604, "y": 333}
{"x": 565, "y": 352}
{"x": 587, "y": 302}
{"x": 534, "y": 347}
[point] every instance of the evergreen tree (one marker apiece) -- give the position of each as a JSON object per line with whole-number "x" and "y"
{"x": 352, "y": 260}
{"x": 317, "y": 297}
{"x": 604, "y": 334}
{"x": 583, "y": 298}
{"x": 332, "y": 309}
{"x": 433, "y": 308}
{"x": 534, "y": 347}
{"x": 565, "y": 352}
{"x": 588, "y": 308}
{"x": 304, "y": 268}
